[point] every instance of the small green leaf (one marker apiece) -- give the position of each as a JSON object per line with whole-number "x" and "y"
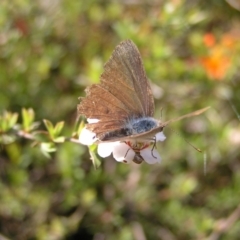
{"x": 92, "y": 151}
{"x": 13, "y": 119}
{"x": 3, "y": 123}
{"x": 49, "y": 127}
{"x": 93, "y": 147}
{"x": 80, "y": 127}
{"x": 28, "y": 116}
{"x": 35, "y": 125}
{"x": 7, "y": 121}
{"x": 48, "y": 147}
{"x": 59, "y": 139}
{"x": 58, "y": 128}
{"x": 54, "y": 131}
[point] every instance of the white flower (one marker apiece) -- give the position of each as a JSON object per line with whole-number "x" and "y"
{"x": 150, "y": 155}
{"x": 87, "y": 137}
{"x": 92, "y": 120}
{"x": 124, "y": 151}
{"x": 160, "y": 137}
{"x": 120, "y": 150}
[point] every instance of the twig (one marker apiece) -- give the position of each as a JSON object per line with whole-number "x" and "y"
{"x": 30, "y": 136}
{"x": 223, "y": 225}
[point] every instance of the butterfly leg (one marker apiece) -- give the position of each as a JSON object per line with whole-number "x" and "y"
{"x": 154, "y": 146}
{"x": 127, "y": 153}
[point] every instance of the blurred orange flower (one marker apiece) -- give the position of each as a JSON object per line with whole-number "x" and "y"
{"x": 219, "y": 56}
{"x": 209, "y": 39}
{"x": 216, "y": 68}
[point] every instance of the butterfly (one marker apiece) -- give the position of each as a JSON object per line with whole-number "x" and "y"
{"x": 120, "y": 110}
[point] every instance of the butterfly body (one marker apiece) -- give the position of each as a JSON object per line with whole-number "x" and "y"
{"x": 132, "y": 127}
{"x": 141, "y": 125}
{"x": 138, "y": 158}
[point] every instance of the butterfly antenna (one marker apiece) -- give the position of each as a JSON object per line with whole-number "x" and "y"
{"x": 195, "y": 113}
{"x": 197, "y": 149}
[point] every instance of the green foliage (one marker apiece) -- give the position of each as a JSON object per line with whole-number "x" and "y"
{"x": 8, "y": 120}
{"x": 28, "y": 120}
{"x": 51, "y": 187}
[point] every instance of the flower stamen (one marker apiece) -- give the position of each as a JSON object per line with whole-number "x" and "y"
{"x": 137, "y": 146}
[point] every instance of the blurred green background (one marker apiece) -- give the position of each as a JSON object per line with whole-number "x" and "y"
{"x": 51, "y": 50}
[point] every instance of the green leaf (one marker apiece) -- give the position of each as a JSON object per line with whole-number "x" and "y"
{"x": 13, "y": 117}
{"x": 49, "y": 127}
{"x": 54, "y": 131}
{"x": 48, "y": 147}
{"x": 35, "y": 125}
{"x": 59, "y": 139}
{"x": 28, "y": 116}
{"x": 7, "y": 120}
{"x": 95, "y": 159}
{"x": 3, "y": 123}
{"x": 80, "y": 127}
{"x": 58, "y": 128}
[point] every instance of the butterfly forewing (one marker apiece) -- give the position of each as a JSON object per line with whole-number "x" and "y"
{"x": 127, "y": 68}
{"x": 96, "y": 105}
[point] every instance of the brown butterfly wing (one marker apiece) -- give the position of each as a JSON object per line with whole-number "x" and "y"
{"x": 125, "y": 77}
{"x": 124, "y": 91}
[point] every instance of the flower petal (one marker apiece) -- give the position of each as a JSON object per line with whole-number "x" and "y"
{"x": 160, "y": 137}
{"x": 105, "y": 149}
{"x": 150, "y": 156}
{"x": 92, "y": 120}
{"x": 123, "y": 153}
{"x": 87, "y": 137}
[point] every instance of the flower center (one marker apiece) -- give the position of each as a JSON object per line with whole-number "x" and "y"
{"x": 137, "y": 146}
